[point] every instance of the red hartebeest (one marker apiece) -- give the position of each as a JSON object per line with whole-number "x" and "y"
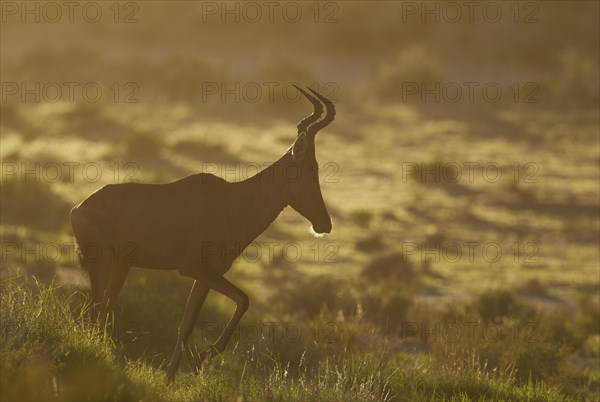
{"x": 198, "y": 225}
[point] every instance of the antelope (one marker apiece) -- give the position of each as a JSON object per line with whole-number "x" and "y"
{"x": 198, "y": 225}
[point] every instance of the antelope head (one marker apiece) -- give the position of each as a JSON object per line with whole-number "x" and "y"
{"x": 304, "y": 190}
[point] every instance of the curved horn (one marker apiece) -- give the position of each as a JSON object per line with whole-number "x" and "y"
{"x": 330, "y": 113}
{"x": 316, "y": 114}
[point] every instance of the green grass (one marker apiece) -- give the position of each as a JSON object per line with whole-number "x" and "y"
{"x": 49, "y": 351}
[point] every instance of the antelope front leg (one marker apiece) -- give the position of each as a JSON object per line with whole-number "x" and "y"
{"x": 242, "y": 302}
{"x": 195, "y": 300}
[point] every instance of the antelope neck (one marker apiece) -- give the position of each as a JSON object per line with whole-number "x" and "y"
{"x": 263, "y": 197}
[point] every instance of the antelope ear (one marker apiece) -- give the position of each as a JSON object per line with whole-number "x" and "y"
{"x": 300, "y": 146}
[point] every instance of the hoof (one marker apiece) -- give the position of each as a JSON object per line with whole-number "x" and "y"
{"x": 170, "y": 376}
{"x": 203, "y": 358}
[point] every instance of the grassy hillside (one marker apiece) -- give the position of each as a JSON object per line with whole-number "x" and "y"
{"x": 49, "y": 352}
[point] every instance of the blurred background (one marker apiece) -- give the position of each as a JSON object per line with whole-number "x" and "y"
{"x": 461, "y": 171}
